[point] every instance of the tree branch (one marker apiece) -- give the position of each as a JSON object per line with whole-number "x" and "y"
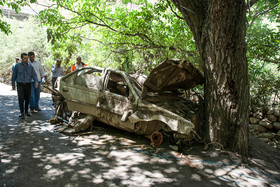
{"x": 174, "y": 11}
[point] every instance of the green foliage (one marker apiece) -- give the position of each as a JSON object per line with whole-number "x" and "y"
{"x": 263, "y": 52}
{"x": 265, "y": 84}
{"x": 14, "y": 5}
{"x": 27, "y": 36}
{"x": 132, "y": 35}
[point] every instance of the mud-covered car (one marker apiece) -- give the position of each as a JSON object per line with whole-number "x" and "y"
{"x": 151, "y": 106}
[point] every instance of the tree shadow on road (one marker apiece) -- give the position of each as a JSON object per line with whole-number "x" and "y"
{"x": 33, "y": 153}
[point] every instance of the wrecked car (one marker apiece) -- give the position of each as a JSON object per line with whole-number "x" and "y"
{"x": 152, "y": 106}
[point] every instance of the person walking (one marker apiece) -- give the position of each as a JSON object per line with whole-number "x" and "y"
{"x": 79, "y": 64}
{"x": 57, "y": 71}
{"x": 35, "y": 92}
{"x": 23, "y": 73}
{"x": 12, "y": 69}
{"x": 13, "y": 66}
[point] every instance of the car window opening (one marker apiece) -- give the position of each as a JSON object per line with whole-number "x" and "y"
{"x": 117, "y": 85}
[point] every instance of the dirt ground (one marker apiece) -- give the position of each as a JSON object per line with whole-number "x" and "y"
{"x": 34, "y": 153}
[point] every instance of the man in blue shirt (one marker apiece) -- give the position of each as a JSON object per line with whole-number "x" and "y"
{"x": 57, "y": 71}
{"x": 23, "y": 74}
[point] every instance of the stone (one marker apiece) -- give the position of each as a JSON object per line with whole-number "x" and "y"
{"x": 270, "y": 111}
{"x": 261, "y": 128}
{"x": 253, "y": 127}
{"x": 174, "y": 147}
{"x": 266, "y": 124}
{"x": 264, "y": 139}
{"x": 277, "y": 112}
{"x": 258, "y": 115}
{"x": 272, "y": 118}
{"x": 276, "y": 125}
{"x": 267, "y": 135}
{"x": 254, "y": 120}
{"x": 277, "y": 136}
{"x": 265, "y": 109}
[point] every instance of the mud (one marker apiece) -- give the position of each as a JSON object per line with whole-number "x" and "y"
{"x": 33, "y": 153}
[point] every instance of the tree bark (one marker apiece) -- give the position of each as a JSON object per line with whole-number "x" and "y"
{"x": 219, "y": 29}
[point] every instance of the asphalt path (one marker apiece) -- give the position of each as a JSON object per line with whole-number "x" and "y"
{"x": 34, "y": 153}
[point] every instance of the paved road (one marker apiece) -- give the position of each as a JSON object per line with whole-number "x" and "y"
{"x": 33, "y": 153}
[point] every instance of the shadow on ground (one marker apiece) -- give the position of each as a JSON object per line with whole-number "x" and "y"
{"x": 33, "y": 153}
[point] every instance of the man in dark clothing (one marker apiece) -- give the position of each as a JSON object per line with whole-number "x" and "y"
{"x": 22, "y": 75}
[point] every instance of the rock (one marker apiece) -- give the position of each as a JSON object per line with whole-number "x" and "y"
{"x": 277, "y": 137}
{"x": 261, "y": 128}
{"x": 271, "y": 118}
{"x": 277, "y": 112}
{"x": 267, "y": 135}
{"x": 254, "y": 120}
{"x": 270, "y": 112}
{"x": 258, "y": 115}
{"x": 266, "y": 124}
{"x": 174, "y": 147}
{"x": 253, "y": 127}
{"x": 265, "y": 109}
{"x": 276, "y": 125}
{"x": 264, "y": 139}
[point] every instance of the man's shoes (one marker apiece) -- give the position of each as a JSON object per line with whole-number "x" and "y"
{"x": 27, "y": 114}
{"x": 37, "y": 109}
{"x": 22, "y": 116}
{"x": 32, "y": 111}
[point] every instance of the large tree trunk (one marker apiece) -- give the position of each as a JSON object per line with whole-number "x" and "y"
{"x": 219, "y": 29}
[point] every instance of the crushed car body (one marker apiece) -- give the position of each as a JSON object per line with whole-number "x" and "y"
{"x": 150, "y": 106}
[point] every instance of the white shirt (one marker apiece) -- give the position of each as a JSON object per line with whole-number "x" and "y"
{"x": 56, "y": 72}
{"x": 38, "y": 69}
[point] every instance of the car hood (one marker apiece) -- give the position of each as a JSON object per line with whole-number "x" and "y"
{"x": 172, "y": 75}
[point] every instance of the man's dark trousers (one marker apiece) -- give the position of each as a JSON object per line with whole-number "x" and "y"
{"x": 24, "y": 91}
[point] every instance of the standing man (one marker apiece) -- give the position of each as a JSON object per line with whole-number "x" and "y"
{"x": 57, "y": 71}
{"x": 79, "y": 64}
{"x": 23, "y": 73}
{"x": 35, "y": 91}
{"x": 12, "y": 69}
{"x": 13, "y": 66}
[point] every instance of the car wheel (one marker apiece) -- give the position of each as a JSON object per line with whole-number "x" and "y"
{"x": 156, "y": 138}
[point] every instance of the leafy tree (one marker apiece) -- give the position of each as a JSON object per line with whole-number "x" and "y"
{"x": 126, "y": 32}
{"x": 27, "y": 36}
{"x": 16, "y": 6}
